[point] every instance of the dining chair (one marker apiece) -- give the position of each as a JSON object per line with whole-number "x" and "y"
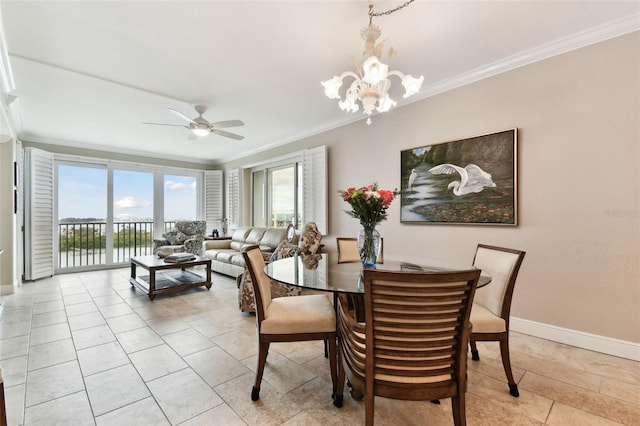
{"x": 492, "y": 304}
{"x": 288, "y": 319}
{"x": 348, "y": 250}
{"x": 413, "y": 342}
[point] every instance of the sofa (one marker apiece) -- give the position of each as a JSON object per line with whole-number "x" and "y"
{"x": 187, "y": 235}
{"x": 226, "y": 255}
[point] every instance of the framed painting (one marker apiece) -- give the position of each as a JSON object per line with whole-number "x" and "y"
{"x": 469, "y": 181}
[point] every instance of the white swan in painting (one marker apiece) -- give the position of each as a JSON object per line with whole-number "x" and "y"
{"x": 472, "y": 178}
{"x": 412, "y": 178}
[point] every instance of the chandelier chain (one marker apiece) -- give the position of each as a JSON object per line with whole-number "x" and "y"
{"x": 387, "y": 12}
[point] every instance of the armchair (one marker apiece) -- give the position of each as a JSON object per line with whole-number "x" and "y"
{"x": 186, "y": 236}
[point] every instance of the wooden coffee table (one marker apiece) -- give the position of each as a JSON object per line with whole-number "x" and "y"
{"x": 172, "y": 276}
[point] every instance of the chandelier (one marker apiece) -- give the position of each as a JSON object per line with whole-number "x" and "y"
{"x": 370, "y": 87}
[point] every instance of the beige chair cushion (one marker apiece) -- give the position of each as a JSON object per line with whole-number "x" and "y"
{"x": 302, "y": 314}
{"x": 486, "y": 322}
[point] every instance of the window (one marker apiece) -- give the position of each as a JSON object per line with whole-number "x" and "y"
{"x": 291, "y": 190}
{"x": 106, "y": 212}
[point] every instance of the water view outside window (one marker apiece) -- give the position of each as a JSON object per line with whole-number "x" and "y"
{"x": 82, "y": 213}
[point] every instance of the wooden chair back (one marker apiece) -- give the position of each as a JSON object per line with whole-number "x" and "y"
{"x": 261, "y": 283}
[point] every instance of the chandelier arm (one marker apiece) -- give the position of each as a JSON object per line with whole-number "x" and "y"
{"x": 349, "y": 74}
{"x": 396, "y": 73}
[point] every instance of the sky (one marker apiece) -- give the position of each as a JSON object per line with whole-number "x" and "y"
{"x": 82, "y": 193}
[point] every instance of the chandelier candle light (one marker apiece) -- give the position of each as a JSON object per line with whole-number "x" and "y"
{"x": 371, "y": 87}
{"x": 369, "y": 204}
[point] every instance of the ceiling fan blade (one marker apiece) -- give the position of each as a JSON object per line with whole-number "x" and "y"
{"x": 181, "y": 115}
{"x": 229, "y": 123}
{"x": 166, "y": 124}
{"x": 227, "y": 134}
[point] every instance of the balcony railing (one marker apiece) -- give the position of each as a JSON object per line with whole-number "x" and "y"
{"x": 85, "y": 243}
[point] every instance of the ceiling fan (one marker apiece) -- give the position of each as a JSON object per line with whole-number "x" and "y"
{"x": 199, "y": 126}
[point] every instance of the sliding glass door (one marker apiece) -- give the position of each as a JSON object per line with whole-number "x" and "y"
{"x": 107, "y": 213}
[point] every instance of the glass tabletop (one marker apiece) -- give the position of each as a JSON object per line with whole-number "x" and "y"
{"x": 323, "y": 272}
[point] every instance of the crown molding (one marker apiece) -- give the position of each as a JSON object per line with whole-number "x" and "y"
{"x": 576, "y": 41}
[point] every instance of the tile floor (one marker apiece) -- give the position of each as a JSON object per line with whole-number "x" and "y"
{"x": 86, "y": 348}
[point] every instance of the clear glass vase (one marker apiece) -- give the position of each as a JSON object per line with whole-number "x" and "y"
{"x": 368, "y": 246}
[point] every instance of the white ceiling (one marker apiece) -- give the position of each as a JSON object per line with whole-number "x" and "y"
{"x": 89, "y": 73}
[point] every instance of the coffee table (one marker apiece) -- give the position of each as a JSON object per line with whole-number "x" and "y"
{"x": 165, "y": 277}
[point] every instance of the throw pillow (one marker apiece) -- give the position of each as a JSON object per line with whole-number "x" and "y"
{"x": 284, "y": 249}
{"x": 175, "y": 237}
{"x": 310, "y": 239}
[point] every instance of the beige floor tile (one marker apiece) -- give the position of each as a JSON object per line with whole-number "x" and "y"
{"x": 14, "y": 370}
{"x": 484, "y": 412}
{"x": 273, "y": 408}
{"x": 221, "y": 415}
{"x": 14, "y": 329}
{"x": 239, "y": 345}
{"x": 215, "y": 366}
{"x": 49, "y": 354}
{"x": 49, "y": 318}
{"x": 48, "y": 296}
{"x": 156, "y": 362}
{"x": 107, "y": 300}
{"x": 125, "y": 323}
{"x": 14, "y": 402}
{"x": 41, "y": 308}
{"x": 15, "y": 315}
{"x": 621, "y": 390}
{"x": 102, "y": 291}
{"x": 72, "y": 409}
{"x": 188, "y": 341}
{"x": 69, "y": 290}
{"x": 92, "y": 319}
{"x": 15, "y": 346}
{"x": 211, "y": 328}
{"x": 101, "y": 358}
{"x": 109, "y": 311}
{"x": 299, "y": 352}
{"x": 138, "y": 339}
{"x": 563, "y": 415}
{"x": 529, "y": 404}
{"x": 49, "y": 333}
{"x": 183, "y": 395}
{"x": 74, "y": 299}
{"x": 282, "y": 373}
{"x": 132, "y": 415}
{"x": 164, "y": 326}
{"x": 582, "y": 399}
{"x": 53, "y": 382}
{"x": 114, "y": 389}
{"x": 81, "y": 308}
{"x": 93, "y": 336}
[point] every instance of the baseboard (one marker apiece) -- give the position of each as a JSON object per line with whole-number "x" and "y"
{"x": 592, "y": 342}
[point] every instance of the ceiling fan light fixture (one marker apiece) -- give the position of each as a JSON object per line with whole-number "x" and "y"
{"x": 370, "y": 89}
{"x": 199, "y": 131}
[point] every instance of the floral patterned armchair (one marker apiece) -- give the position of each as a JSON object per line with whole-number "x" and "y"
{"x": 186, "y": 236}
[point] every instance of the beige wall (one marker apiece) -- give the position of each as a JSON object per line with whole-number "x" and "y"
{"x": 579, "y": 181}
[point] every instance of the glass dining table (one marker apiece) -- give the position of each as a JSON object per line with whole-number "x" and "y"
{"x": 323, "y": 272}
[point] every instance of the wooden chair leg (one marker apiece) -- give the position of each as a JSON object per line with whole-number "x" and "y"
{"x": 369, "y": 408}
{"x": 333, "y": 358}
{"x": 340, "y": 379}
{"x": 262, "y": 361}
{"x": 506, "y": 364}
{"x": 459, "y": 411}
{"x": 475, "y": 356}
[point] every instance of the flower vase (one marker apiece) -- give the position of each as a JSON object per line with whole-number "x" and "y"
{"x": 368, "y": 246}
